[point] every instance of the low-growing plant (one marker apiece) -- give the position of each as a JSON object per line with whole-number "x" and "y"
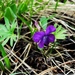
{"x": 49, "y": 34}
{"x": 7, "y": 32}
{"x": 13, "y": 12}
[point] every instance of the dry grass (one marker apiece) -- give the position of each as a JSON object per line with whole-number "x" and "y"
{"x": 65, "y": 14}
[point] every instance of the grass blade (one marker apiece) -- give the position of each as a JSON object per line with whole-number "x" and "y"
{"x": 6, "y": 60}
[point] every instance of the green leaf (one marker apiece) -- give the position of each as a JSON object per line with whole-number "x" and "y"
{"x": 7, "y": 23}
{"x": 2, "y": 28}
{"x": 60, "y": 32}
{"x": 11, "y": 41}
{"x": 40, "y": 0}
{"x": 51, "y": 16}
{"x": 5, "y": 41}
{"x": 14, "y": 37}
{"x": 55, "y": 25}
{"x": 9, "y": 14}
{"x": 22, "y": 8}
{"x": 2, "y": 66}
{"x": 43, "y": 22}
{"x": 61, "y": 36}
{"x": 65, "y": 1}
{"x": 28, "y": 23}
{"x": 5, "y": 34}
{"x": 13, "y": 25}
{"x": 14, "y": 8}
{"x": 6, "y": 59}
{"x": 58, "y": 29}
{"x": 2, "y": 38}
{"x": 56, "y": 4}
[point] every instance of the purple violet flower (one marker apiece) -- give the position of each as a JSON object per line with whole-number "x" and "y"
{"x": 44, "y": 37}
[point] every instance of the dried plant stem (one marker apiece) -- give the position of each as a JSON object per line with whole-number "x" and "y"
{"x": 67, "y": 8}
{"x": 52, "y": 68}
{"x": 23, "y": 62}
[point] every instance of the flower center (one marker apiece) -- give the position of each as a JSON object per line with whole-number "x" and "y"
{"x": 45, "y": 38}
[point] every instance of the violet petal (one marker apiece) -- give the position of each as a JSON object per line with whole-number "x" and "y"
{"x": 41, "y": 43}
{"x": 38, "y": 36}
{"x": 50, "y": 29}
{"x": 51, "y": 38}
